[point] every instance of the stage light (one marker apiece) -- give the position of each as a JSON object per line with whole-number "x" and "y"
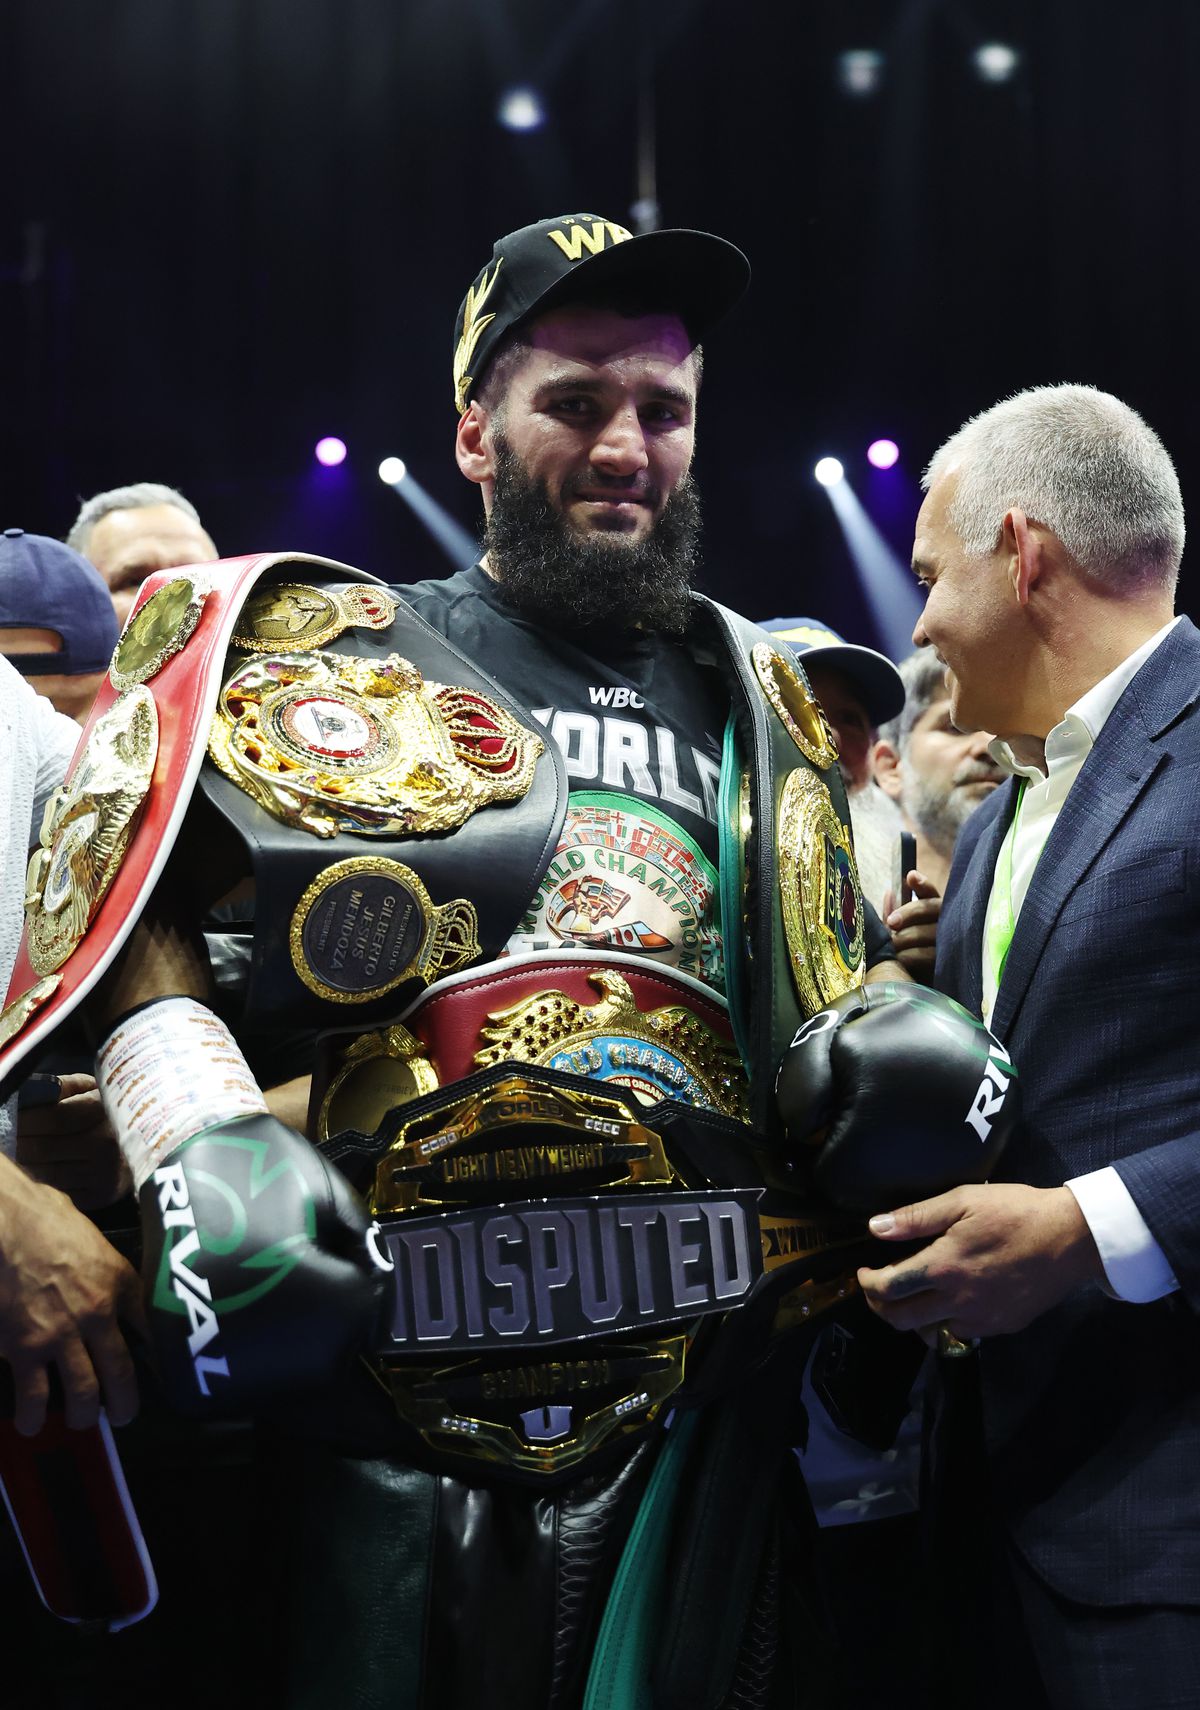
{"x": 995, "y": 62}
{"x": 521, "y": 110}
{"x": 883, "y": 453}
{"x": 859, "y": 71}
{"x": 393, "y": 470}
{"x": 331, "y": 451}
{"x": 829, "y": 472}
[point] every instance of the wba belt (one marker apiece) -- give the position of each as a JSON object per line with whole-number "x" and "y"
{"x": 568, "y": 1255}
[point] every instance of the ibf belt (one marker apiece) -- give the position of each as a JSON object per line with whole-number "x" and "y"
{"x": 607, "y": 1018}
{"x": 559, "y": 1269}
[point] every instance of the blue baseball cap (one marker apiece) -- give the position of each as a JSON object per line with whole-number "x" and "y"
{"x": 879, "y": 684}
{"x": 44, "y": 585}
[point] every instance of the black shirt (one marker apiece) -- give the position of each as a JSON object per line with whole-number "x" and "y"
{"x": 639, "y": 720}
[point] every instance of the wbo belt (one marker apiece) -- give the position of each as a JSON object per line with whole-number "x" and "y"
{"x": 606, "y": 1018}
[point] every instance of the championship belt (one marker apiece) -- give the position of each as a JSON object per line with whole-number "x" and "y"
{"x": 792, "y": 903}
{"x": 394, "y": 807}
{"x": 108, "y": 831}
{"x": 580, "y": 1230}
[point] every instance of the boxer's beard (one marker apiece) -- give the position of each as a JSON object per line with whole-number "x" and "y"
{"x": 939, "y": 814}
{"x": 605, "y": 579}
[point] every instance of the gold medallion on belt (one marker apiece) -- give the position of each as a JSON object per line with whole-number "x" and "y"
{"x": 158, "y": 630}
{"x": 335, "y": 742}
{"x": 823, "y": 913}
{"x": 293, "y": 617}
{"x": 787, "y": 689}
{"x": 367, "y": 925}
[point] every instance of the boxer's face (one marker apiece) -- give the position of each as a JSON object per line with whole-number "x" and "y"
{"x": 582, "y": 452}
{"x": 971, "y": 620}
{"x": 601, "y": 415}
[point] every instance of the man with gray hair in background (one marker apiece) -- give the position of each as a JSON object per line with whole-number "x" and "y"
{"x": 937, "y": 776}
{"x": 129, "y": 532}
{"x": 1048, "y": 545}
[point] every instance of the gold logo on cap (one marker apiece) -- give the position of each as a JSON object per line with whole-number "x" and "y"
{"x": 473, "y": 326}
{"x": 577, "y": 238}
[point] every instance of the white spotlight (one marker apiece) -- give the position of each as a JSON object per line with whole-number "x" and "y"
{"x": 995, "y": 62}
{"x": 393, "y": 470}
{"x": 859, "y": 71}
{"x": 520, "y": 110}
{"x": 829, "y": 472}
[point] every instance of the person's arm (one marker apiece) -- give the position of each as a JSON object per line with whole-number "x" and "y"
{"x": 63, "y": 1291}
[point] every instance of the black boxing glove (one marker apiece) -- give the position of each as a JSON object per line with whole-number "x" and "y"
{"x": 902, "y": 1094}
{"x": 257, "y": 1266}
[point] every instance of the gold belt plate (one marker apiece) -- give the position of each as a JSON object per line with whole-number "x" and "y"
{"x": 87, "y": 827}
{"x": 158, "y": 630}
{"x": 824, "y": 918}
{"x": 365, "y": 926}
{"x": 660, "y": 1053}
{"x": 334, "y": 742}
{"x": 293, "y": 617}
{"x": 799, "y": 711}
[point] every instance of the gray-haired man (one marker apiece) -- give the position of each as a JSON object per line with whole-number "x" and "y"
{"x": 129, "y": 532}
{"x": 1049, "y": 545}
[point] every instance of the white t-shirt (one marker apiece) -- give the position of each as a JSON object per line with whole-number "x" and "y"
{"x": 37, "y": 743}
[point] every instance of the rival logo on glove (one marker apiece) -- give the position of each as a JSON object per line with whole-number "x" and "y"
{"x": 195, "y": 1293}
{"x": 992, "y": 1090}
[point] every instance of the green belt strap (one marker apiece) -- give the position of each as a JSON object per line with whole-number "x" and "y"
{"x": 619, "y": 1678}
{"x": 730, "y": 884}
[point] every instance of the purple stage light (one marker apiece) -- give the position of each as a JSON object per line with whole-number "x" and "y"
{"x": 331, "y": 451}
{"x": 883, "y": 453}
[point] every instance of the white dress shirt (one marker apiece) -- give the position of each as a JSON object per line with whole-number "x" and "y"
{"x": 1134, "y": 1264}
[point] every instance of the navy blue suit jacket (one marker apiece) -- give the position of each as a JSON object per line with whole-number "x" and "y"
{"x": 1092, "y": 1414}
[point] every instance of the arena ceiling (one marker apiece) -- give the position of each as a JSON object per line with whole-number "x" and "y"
{"x": 230, "y": 227}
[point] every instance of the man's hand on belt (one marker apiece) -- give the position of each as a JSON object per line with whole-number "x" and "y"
{"x": 62, "y": 1290}
{"x": 999, "y": 1255}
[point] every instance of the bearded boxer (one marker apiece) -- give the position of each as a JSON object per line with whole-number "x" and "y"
{"x": 557, "y": 853}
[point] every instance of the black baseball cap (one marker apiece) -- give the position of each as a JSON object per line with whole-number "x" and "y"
{"x": 44, "y": 585}
{"x": 880, "y": 686}
{"x": 697, "y": 276}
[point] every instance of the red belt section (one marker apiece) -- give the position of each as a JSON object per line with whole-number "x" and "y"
{"x": 449, "y": 1019}
{"x": 185, "y": 690}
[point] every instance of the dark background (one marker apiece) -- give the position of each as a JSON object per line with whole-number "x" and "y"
{"x": 228, "y": 227}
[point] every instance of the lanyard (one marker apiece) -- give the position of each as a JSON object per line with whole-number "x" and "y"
{"x": 1002, "y": 922}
